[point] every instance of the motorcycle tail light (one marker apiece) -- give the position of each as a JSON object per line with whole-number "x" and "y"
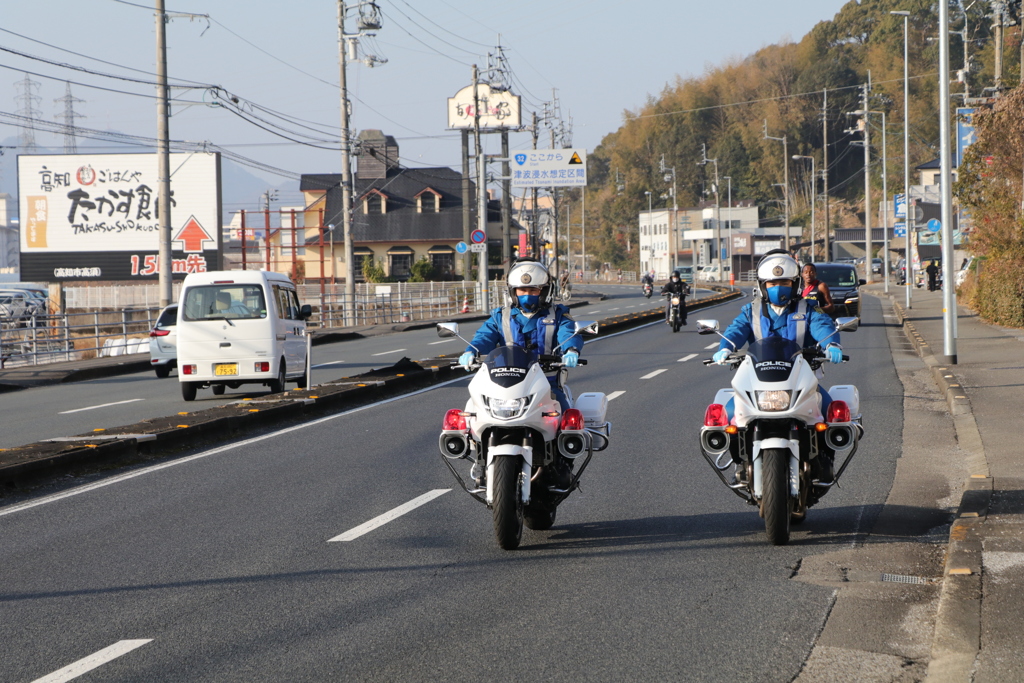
{"x": 454, "y": 421}
{"x": 838, "y": 411}
{"x": 572, "y": 419}
{"x": 715, "y": 416}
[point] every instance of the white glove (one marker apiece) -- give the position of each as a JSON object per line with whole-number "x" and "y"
{"x": 466, "y": 359}
{"x": 720, "y": 356}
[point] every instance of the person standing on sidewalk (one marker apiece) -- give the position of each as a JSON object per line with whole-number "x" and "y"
{"x": 933, "y": 274}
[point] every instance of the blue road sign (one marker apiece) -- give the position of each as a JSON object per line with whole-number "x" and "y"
{"x": 899, "y": 230}
{"x": 477, "y": 237}
{"x": 900, "y": 205}
{"x": 934, "y": 225}
{"x": 462, "y": 247}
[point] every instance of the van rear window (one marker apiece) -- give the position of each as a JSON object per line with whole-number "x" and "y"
{"x": 216, "y": 302}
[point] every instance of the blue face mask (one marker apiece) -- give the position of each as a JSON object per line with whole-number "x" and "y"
{"x": 528, "y": 301}
{"x": 780, "y": 295}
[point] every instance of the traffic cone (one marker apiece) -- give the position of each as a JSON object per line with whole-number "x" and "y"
{"x": 465, "y": 305}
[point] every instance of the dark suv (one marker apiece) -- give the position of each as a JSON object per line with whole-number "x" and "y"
{"x": 843, "y": 284}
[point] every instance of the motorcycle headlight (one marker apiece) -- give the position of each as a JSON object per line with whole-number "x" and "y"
{"x": 773, "y": 400}
{"x": 506, "y": 408}
{"x": 675, "y": 301}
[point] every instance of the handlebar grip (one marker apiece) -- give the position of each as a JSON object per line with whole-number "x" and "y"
{"x": 581, "y": 361}
{"x": 708, "y": 361}
{"x": 845, "y": 358}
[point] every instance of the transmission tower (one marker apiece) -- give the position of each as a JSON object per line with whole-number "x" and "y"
{"x": 69, "y": 117}
{"x": 28, "y": 111}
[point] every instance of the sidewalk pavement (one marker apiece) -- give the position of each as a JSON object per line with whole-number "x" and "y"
{"x": 981, "y": 607}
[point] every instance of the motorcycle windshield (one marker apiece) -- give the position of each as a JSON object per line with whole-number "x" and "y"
{"x": 508, "y": 365}
{"x": 773, "y": 357}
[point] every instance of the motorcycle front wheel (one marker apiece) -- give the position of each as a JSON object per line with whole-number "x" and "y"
{"x": 507, "y": 505}
{"x": 776, "y": 505}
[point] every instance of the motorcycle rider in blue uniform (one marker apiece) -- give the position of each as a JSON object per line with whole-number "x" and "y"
{"x": 776, "y": 311}
{"x": 531, "y": 321}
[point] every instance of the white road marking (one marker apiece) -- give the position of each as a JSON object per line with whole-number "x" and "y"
{"x": 711, "y": 346}
{"x": 102, "y": 405}
{"x": 654, "y": 374}
{"x": 443, "y": 341}
{"x": 614, "y": 395}
{"x": 324, "y": 365}
{"x": 384, "y": 353}
{"x": 93, "y": 661}
{"x": 686, "y": 358}
{"x": 614, "y": 309}
{"x": 390, "y": 516}
{"x": 596, "y": 310}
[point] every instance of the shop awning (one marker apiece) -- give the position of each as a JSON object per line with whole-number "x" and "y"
{"x": 362, "y": 251}
{"x": 440, "y": 249}
{"x": 401, "y": 250}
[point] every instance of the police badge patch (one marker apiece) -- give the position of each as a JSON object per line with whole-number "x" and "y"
{"x": 526, "y": 279}
{"x": 777, "y": 271}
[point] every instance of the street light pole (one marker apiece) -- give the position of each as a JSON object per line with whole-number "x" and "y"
{"x": 908, "y": 252}
{"x": 717, "y": 257}
{"x": 729, "y": 228}
{"x": 814, "y": 198}
{"x": 650, "y": 229}
{"x": 945, "y": 182}
{"x": 785, "y": 175}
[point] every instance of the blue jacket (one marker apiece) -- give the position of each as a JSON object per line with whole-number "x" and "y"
{"x": 531, "y": 330}
{"x": 819, "y": 326}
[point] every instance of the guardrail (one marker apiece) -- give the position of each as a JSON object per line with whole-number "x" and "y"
{"x": 40, "y": 339}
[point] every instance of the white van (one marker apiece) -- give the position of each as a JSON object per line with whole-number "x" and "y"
{"x": 240, "y": 327}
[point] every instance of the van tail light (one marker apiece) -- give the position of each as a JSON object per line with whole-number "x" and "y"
{"x": 188, "y": 370}
{"x": 454, "y": 421}
{"x": 157, "y": 332}
{"x": 715, "y": 416}
{"x": 838, "y": 411}
{"x": 262, "y": 366}
{"x": 572, "y": 420}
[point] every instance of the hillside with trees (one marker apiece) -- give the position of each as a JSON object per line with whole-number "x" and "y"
{"x": 785, "y": 85}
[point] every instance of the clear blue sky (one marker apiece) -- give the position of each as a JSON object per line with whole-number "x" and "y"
{"x": 604, "y": 57}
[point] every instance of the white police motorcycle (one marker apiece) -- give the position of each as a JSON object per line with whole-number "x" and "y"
{"x": 778, "y": 438}
{"x": 523, "y": 448}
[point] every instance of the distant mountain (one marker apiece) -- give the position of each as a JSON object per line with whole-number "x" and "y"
{"x": 240, "y": 189}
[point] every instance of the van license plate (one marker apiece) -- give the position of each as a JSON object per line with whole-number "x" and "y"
{"x": 226, "y": 369}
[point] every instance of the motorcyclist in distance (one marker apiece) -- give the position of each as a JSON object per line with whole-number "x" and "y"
{"x": 532, "y": 321}
{"x": 675, "y": 285}
{"x": 776, "y": 311}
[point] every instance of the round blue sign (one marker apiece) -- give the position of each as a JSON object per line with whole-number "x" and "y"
{"x": 462, "y": 247}
{"x": 478, "y": 237}
{"x": 934, "y": 225}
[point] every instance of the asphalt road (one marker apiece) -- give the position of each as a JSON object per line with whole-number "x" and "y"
{"x": 65, "y": 410}
{"x": 224, "y": 566}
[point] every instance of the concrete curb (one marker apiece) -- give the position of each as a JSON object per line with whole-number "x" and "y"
{"x": 956, "y": 641}
{"x": 168, "y": 435}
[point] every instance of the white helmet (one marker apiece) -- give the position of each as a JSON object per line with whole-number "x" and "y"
{"x": 529, "y": 273}
{"x": 777, "y": 264}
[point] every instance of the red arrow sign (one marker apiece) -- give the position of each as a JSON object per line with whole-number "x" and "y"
{"x": 193, "y": 236}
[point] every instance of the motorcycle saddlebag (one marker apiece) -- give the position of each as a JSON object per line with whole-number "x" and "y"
{"x": 848, "y": 393}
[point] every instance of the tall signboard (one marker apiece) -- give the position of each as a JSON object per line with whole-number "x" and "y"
{"x": 498, "y": 108}
{"x": 550, "y": 168}
{"x": 95, "y": 216}
{"x": 965, "y": 133}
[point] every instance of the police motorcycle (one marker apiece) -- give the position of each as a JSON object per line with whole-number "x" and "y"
{"x": 527, "y": 455}
{"x": 648, "y": 289}
{"x": 778, "y": 438}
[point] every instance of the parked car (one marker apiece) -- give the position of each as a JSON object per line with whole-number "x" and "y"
{"x": 163, "y": 342}
{"x": 876, "y": 265}
{"x": 18, "y": 306}
{"x": 844, "y": 285}
{"x": 713, "y": 273}
{"x": 685, "y": 273}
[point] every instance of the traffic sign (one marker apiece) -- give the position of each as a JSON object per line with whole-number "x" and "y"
{"x": 900, "y": 230}
{"x": 550, "y": 168}
{"x": 900, "y": 205}
{"x": 462, "y": 247}
{"x": 934, "y": 225}
{"x": 478, "y": 248}
{"x": 478, "y": 237}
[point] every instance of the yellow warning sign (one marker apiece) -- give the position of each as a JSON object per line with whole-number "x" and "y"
{"x": 575, "y": 159}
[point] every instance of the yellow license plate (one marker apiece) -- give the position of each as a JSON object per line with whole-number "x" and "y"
{"x": 226, "y": 369}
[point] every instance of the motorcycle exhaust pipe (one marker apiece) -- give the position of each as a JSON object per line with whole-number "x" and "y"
{"x": 453, "y": 446}
{"x": 839, "y": 438}
{"x": 714, "y": 441}
{"x": 572, "y": 445}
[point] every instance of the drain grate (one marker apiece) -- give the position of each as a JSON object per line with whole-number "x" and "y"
{"x": 898, "y": 578}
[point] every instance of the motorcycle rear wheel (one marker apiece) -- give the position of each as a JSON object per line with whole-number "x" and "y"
{"x": 776, "y": 505}
{"x": 507, "y": 505}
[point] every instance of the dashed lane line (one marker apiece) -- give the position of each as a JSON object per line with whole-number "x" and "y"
{"x": 654, "y": 374}
{"x": 384, "y": 353}
{"x": 686, "y": 358}
{"x": 711, "y": 346}
{"x": 614, "y": 395}
{"x": 443, "y": 341}
{"x": 93, "y": 661}
{"x": 324, "y": 365}
{"x": 102, "y": 405}
{"x": 390, "y": 516}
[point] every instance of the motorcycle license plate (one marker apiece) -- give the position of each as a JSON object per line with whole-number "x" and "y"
{"x": 675, "y": 301}
{"x": 222, "y": 369}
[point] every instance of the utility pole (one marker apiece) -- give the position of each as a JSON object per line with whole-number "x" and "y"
{"x": 163, "y": 160}
{"x": 945, "y": 178}
{"x": 814, "y": 197}
{"x": 534, "y": 213}
{"x": 670, "y": 172}
{"x": 908, "y": 252}
{"x": 867, "y": 186}
{"x": 718, "y": 227}
{"x": 824, "y": 171}
{"x": 997, "y": 30}
{"x": 467, "y": 206}
{"x": 481, "y": 189}
{"x": 506, "y": 203}
{"x": 785, "y": 174}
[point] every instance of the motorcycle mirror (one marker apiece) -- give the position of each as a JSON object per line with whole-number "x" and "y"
{"x": 586, "y": 327}
{"x": 847, "y": 324}
{"x": 707, "y": 326}
{"x": 447, "y": 330}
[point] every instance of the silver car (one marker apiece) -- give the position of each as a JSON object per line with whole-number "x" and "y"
{"x": 163, "y": 342}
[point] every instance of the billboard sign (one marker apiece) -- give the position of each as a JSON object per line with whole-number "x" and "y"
{"x": 96, "y": 216}
{"x": 549, "y": 168}
{"x": 498, "y": 108}
{"x": 965, "y": 133}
